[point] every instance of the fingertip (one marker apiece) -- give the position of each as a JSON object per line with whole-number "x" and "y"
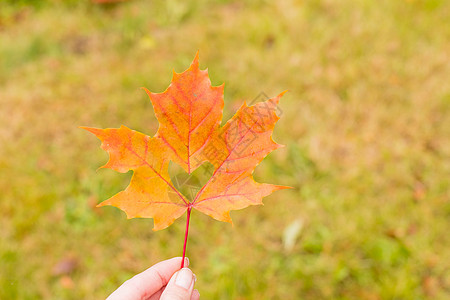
{"x": 180, "y": 259}
{"x": 195, "y": 295}
{"x": 185, "y": 279}
{"x": 180, "y": 286}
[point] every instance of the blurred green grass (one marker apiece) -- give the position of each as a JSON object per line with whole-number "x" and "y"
{"x": 366, "y": 123}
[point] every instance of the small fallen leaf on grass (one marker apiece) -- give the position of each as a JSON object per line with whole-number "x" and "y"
{"x": 65, "y": 266}
{"x": 189, "y": 113}
{"x": 66, "y": 282}
{"x": 291, "y": 233}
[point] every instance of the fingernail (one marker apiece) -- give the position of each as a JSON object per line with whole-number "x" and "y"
{"x": 186, "y": 261}
{"x": 184, "y": 278}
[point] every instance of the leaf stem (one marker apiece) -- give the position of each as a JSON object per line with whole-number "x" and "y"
{"x": 186, "y": 234}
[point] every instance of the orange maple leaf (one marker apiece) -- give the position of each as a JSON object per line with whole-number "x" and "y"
{"x": 150, "y": 193}
{"x": 189, "y": 114}
{"x": 239, "y": 147}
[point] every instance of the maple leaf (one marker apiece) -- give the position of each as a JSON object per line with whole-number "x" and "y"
{"x": 239, "y": 147}
{"x": 189, "y": 113}
{"x": 150, "y": 193}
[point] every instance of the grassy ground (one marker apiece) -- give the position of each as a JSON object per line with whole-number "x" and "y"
{"x": 366, "y": 124}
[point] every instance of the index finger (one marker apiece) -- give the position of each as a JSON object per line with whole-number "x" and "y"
{"x": 148, "y": 282}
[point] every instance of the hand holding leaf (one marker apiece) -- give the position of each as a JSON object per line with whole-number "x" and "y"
{"x": 189, "y": 114}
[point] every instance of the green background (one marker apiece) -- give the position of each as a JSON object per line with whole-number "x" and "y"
{"x": 366, "y": 124}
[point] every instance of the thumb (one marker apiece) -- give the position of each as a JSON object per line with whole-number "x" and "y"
{"x": 180, "y": 286}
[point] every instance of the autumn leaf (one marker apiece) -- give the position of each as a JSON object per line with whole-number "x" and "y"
{"x": 238, "y": 148}
{"x": 189, "y": 113}
{"x": 150, "y": 193}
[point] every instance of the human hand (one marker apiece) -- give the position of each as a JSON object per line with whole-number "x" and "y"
{"x": 163, "y": 281}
